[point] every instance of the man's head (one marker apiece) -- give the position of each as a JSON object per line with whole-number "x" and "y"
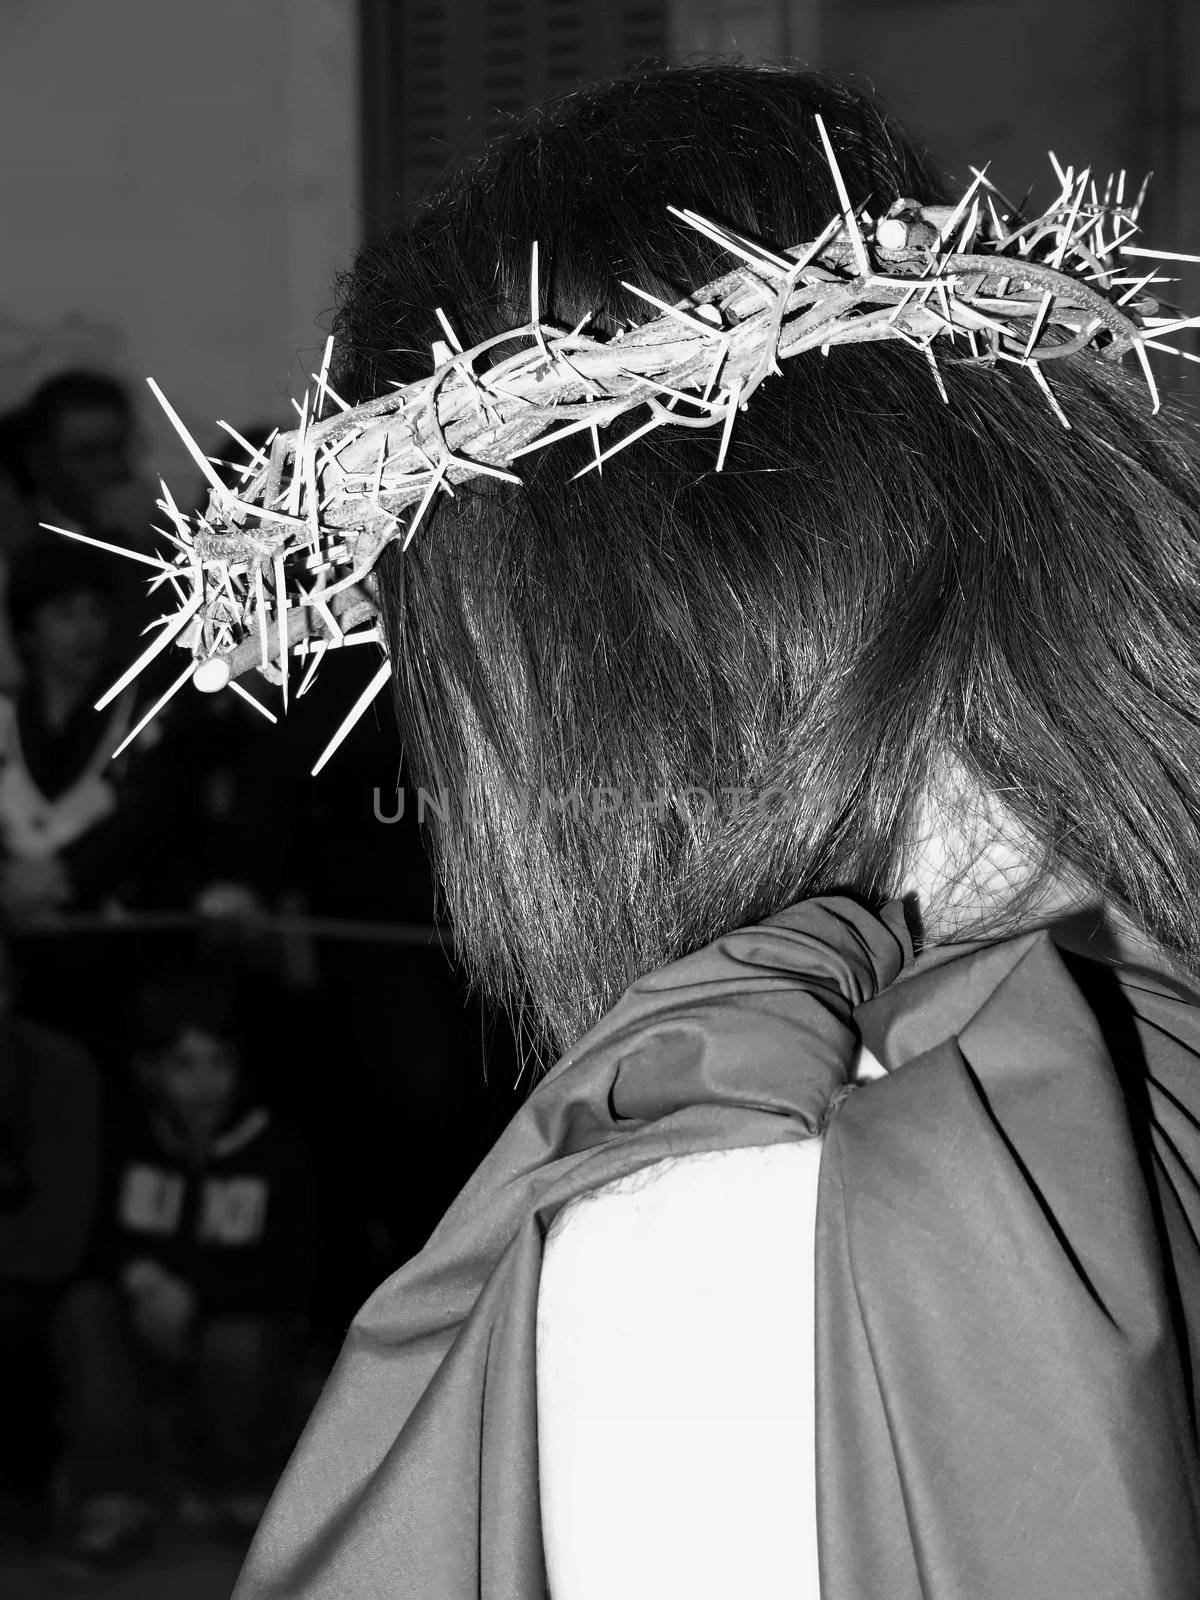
{"x": 60, "y": 609}
{"x": 188, "y": 1055}
{"x": 78, "y": 434}
{"x": 882, "y": 587}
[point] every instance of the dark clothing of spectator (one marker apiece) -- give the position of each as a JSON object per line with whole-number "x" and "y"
{"x": 233, "y": 1226}
{"x": 62, "y": 795}
{"x": 49, "y": 1154}
{"x": 224, "y": 1421}
{"x": 49, "y": 1165}
{"x": 230, "y": 1229}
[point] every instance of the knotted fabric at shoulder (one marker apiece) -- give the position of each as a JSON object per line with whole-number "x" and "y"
{"x": 1008, "y": 1288}
{"x": 418, "y": 1474}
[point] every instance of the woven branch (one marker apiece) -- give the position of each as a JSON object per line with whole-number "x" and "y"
{"x": 280, "y": 567}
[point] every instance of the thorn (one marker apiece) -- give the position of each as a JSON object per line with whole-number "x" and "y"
{"x": 175, "y": 626}
{"x": 1157, "y": 255}
{"x": 731, "y": 410}
{"x": 251, "y": 701}
{"x": 261, "y": 596}
{"x": 567, "y": 428}
{"x": 1044, "y": 384}
{"x": 455, "y": 345}
{"x": 952, "y": 220}
{"x": 937, "y": 374}
{"x": 183, "y": 677}
{"x": 688, "y": 320}
{"x": 114, "y": 549}
{"x": 322, "y": 379}
{"x": 1066, "y": 231}
{"x": 322, "y": 646}
{"x": 615, "y": 449}
{"x": 1169, "y": 349}
{"x": 382, "y": 674}
{"x": 852, "y": 228}
{"x": 281, "y": 622}
{"x": 430, "y": 490}
{"x": 190, "y": 445}
{"x": 1039, "y": 322}
{"x": 1148, "y": 375}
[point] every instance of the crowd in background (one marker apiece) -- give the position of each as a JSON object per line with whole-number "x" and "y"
{"x": 217, "y": 1133}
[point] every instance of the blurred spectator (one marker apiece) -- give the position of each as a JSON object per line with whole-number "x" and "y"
{"x": 78, "y": 437}
{"x": 18, "y": 524}
{"x": 178, "y": 1347}
{"x": 63, "y": 837}
{"x": 77, "y": 440}
{"x": 49, "y": 1166}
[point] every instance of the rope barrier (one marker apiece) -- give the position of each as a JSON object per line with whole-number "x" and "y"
{"x": 417, "y": 934}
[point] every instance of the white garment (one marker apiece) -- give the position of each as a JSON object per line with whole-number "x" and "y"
{"x": 35, "y": 828}
{"x": 676, "y": 1380}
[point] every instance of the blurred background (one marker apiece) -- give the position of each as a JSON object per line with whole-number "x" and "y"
{"x": 230, "y": 1030}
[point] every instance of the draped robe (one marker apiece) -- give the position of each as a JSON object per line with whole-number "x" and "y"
{"x": 1007, "y": 1275}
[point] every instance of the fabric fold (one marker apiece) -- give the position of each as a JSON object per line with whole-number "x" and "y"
{"x": 417, "y": 1475}
{"x": 1007, "y": 1277}
{"x": 1008, "y": 1416}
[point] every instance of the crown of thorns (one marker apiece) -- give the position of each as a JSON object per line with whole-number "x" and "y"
{"x": 279, "y": 566}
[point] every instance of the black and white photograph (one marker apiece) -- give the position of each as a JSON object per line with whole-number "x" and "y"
{"x": 600, "y": 800}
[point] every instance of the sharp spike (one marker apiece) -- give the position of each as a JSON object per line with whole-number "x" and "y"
{"x": 251, "y": 701}
{"x": 731, "y": 410}
{"x": 1169, "y": 349}
{"x": 615, "y": 449}
{"x": 1157, "y": 255}
{"x": 1148, "y": 375}
{"x": 1044, "y": 385}
{"x": 851, "y": 221}
{"x": 455, "y": 343}
{"x": 688, "y": 320}
{"x": 281, "y": 622}
{"x": 937, "y": 374}
{"x": 174, "y": 626}
{"x": 1069, "y": 227}
{"x": 430, "y": 490}
{"x": 114, "y": 549}
{"x": 1039, "y": 322}
{"x": 322, "y": 379}
{"x": 381, "y": 676}
{"x": 183, "y": 677}
{"x": 189, "y": 444}
{"x": 260, "y": 595}
{"x": 318, "y": 655}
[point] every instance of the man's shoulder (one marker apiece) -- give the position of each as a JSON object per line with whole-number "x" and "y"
{"x": 674, "y": 1378}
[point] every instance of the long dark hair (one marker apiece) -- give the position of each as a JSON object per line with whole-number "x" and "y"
{"x": 879, "y": 587}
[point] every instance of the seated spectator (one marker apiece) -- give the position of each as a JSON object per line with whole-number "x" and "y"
{"x": 80, "y": 832}
{"x": 177, "y": 1346}
{"x": 49, "y": 1166}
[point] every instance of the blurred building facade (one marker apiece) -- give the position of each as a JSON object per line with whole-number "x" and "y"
{"x": 1103, "y": 83}
{"x": 179, "y": 183}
